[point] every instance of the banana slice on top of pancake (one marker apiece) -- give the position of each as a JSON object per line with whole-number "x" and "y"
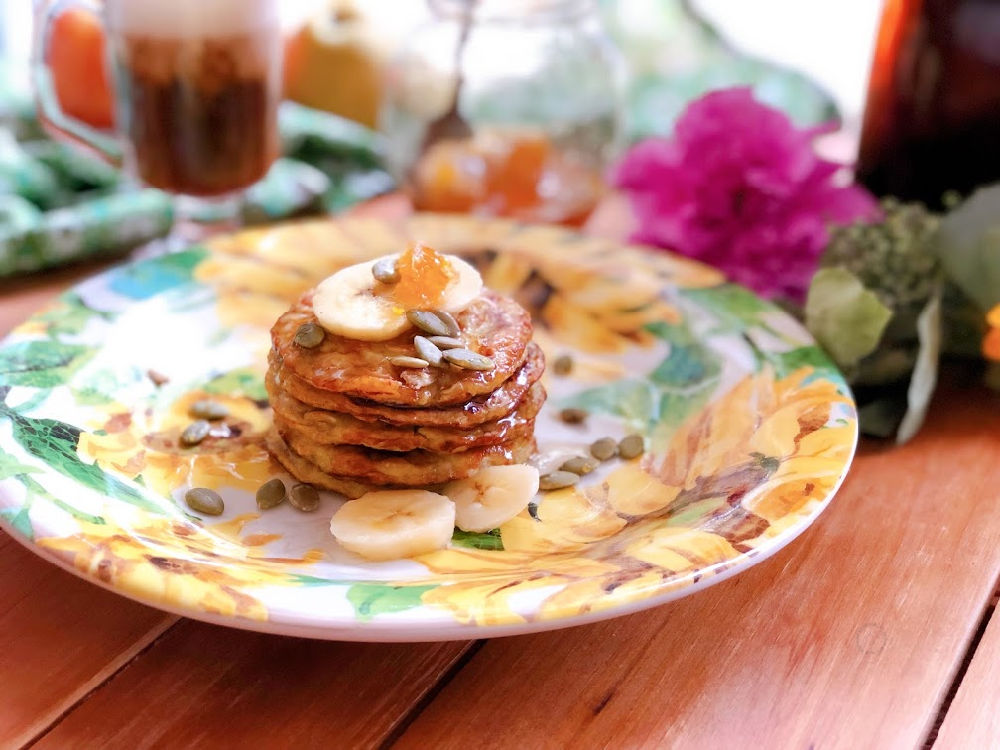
{"x": 354, "y": 304}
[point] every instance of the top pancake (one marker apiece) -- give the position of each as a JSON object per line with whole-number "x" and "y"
{"x": 492, "y": 325}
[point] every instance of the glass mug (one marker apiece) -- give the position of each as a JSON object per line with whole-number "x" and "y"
{"x": 196, "y": 86}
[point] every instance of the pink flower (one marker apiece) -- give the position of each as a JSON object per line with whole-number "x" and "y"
{"x": 740, "y": 188}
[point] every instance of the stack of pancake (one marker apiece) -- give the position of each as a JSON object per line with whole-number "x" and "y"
{"x": 347, "y": 419}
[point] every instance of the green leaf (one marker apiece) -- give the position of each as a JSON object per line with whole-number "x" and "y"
{"x": 924, "y": 378}
{"x": 785, "y": 363}
{"x": 11, "y": 467}
{"x": 968, "y": 246}
{"x": 245, "y": 381}
{"x": 41, "y": 364}
{"x": 687, "y": 365}
{"x": 635, "y": 401}
{"x": 148, "y": 278}
{"x": 881, "y": 418}
{"x": 371, "y": 599}
{"x": 737, "y": 308}
{"x": 846, "y": 319}
{"x": 71, "y": 316}
{"x": 489, "y": 540}
{"x": 36, "y": 490}
{"x": 20, "y": 520}
{"x": 55, "y": 443}
{"x": 102, "y": 386}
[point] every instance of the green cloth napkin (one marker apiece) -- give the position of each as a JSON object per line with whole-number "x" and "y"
{"x": 59, "y": 205}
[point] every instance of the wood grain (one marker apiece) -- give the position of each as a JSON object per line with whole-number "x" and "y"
{"x": 61, "y": 638}
{"x": 973, "y": 719}
{"x": 208, "y": 686}
{"x": 847, "y": 639}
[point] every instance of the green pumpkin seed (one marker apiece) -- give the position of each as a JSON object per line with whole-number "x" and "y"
{"x": 604, "y": 448}
{"x": 304, "y": 497}
{"x": 204, "y": 500}
{"x": 428, "y": 322}
{"x": 631, "y": 447}
{"x": 310, "y": 335}
{"x": 195, "y": 432}
{"x": 563, "y": 365}
{"x": 454, "y": 329}
{"x": 579, "y": 465}
{"x": 208, "y": 409}
{"x": 557, "y": 480}
{"x": 446, "y": 342}
{"x": 468, "y": 360}
{"x": 427, "y": 350}
{"x": 408, "y": 362}
{"x": 385, "y": 271}
{"x": 271, "y": 494}
{"x": 573, "y": 416}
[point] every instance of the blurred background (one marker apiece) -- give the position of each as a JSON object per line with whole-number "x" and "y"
{"x": 828, "y": 44}
{"x": 341, "y": 84}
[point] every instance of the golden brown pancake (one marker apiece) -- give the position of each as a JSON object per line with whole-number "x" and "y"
{"x": 485, "y": 408}
{"x": 308, "y": 472}
{"x": 492, "y": 325}
{"x": 331, "y": 428}
{"x": 416, "y": 468}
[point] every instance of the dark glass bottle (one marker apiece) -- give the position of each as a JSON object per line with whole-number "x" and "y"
{"x": 932, "y": 118}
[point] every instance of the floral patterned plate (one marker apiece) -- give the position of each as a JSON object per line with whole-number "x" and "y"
{"x": 750, "y": 429}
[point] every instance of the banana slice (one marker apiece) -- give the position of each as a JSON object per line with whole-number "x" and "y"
{"x": 464, "y": 288}
{"x": 492, "y": 496}
{"x": 351, "y": 303}
{"x": 392, "y": 524}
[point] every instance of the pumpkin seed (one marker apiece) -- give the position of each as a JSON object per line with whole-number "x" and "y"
{"x": 310, "y": 335}
{"x": 408, "y": 361}
{"x": 579, "y": 465}
{"x": 454, "y": 329}
{"x": 270, "y": 494}
{"x": 204, "y": 500}
{"x": 446, "y": 342}
{"x": 385, "y": 271}
{"x": 195, "y": 432}
{"x": 158, "y": 378}
{"x": 427, "y": 350}
{"x": 208, "y": 409}
{"x": 557, "y": 480}
{"x": 304, "y": 497}
{"x": 563, "y": 365}
{"x": 468, "y": 360}
{"x": 604, "y": 448}
{"x": 573, "y": 416}
{"x": 428, "y": 322}
{"x": 632, "y": 446}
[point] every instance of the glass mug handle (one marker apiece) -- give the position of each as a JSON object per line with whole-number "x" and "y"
{"x": 102, "y": 143}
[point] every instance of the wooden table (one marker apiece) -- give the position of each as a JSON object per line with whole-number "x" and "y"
{"x": 875, "y": 629}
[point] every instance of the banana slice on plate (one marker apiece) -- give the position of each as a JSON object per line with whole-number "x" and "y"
{"x": 492, "y": 496}
{"x": 393, "y": 524}
{"x": 351, "y": 303}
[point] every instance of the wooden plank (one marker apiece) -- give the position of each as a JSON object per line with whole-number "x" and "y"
{"x": 847, "y": 639}
{"x": 62, "y": 637}
{"x": 206, "y": 686}
{"x": 973, "y": 719}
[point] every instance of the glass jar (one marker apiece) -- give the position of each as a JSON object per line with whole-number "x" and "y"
{"x": 505, "y": 108}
